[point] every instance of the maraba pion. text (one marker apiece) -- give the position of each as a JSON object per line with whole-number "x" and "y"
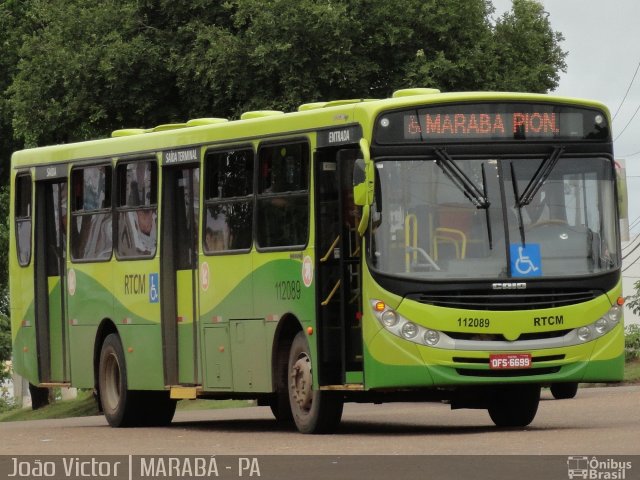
{"x": 481, "y": 124}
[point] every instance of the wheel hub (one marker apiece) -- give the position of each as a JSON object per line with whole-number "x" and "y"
{"x": 302, "y": 382}
{"x": 111, "y": 393}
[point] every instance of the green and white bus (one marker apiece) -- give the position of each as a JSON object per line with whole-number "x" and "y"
{"x": 458, "y": 247}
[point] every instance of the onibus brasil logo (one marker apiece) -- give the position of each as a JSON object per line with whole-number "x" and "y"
{"x": 594, "y": 468}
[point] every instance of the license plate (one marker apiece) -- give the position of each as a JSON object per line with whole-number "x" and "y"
{"x": 502, "y": 361}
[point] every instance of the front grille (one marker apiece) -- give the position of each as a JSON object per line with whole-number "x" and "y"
{"x": 496, "y": 337}
{"x": 483, "y": 300}
{"x": 468, "y": 372}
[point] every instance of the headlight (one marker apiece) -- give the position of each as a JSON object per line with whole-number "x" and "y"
{"x": 615, "y": 314}
{"x": 431, "y": 337}
{"x": 584, "y": 333}
{"x": 399, "y": 326}
{"x": 409, "y": 330}
{"x": 389, "y": 318}
{"x": 602, "y": 325}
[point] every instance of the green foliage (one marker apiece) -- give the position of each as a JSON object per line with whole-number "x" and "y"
{"x": 84, "y": 405}
{"x": 73, "y": 70}
{"x": 633, "y": 301}
{"x": 4, "y": 248}
{"x": 5, "y": 324}
{"x": 5, "y": 354}
{"x": 632, "y": 342}
{"x": 527, "y": 50}
{"x": 11, "y": 20}
{"x": 89, "y": 68}
{"x": 5, "y": 341}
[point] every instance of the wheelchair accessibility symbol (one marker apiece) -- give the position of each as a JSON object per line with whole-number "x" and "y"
{"x": 525, "y": 260}
{"x": 154, "y": 294}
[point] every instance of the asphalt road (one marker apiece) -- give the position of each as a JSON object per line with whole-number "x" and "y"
{"x": 599, "y": 421}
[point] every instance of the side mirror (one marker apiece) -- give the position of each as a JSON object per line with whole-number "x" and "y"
{"x": 363, "y": 184}
{"x": 359, "y": 183}
{"x": 363, "y": 177}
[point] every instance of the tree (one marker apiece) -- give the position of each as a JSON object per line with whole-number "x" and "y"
{"x": 90, "y": 68}
{"x": 72, "y": 70}
{"x": 12, "y": 22}
{"x": 633, "y": 301}
{"x": 528, "y": 56}
{"x": 5, "y": 324}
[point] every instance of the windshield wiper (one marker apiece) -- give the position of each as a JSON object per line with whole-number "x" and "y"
{"x": 460, "y": 179}
{"x": 538, "y": 179}
{"x": 514, "y": 184}
{"x": 479, "y": 198}
{"x": 534, "y": 185}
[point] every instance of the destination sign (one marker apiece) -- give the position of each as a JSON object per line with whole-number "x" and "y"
{"x": 186, "y": 155}
{"x": 491, "y": 122}
{"x": 339, "y": 136}
{"x": 49, "y": 172}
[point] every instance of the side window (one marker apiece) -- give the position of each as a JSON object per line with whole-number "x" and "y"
{"x": 283, "y": 195}
{"x": 137, "y": 209}
{"x": 91, "y": 229}
{"x": 228, "y": 201}
{"x": 23, "y": 213}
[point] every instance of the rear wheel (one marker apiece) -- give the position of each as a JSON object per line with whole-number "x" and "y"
{"x": 118, "y": 403}
{"x": 39, "y": 396}
{"x": 562, "y": 391}
{"x": 157, "y": 408}
{"x": 514, "y": 405}
{"x": 314, "y": 411}
{"x": 123, "y": 407}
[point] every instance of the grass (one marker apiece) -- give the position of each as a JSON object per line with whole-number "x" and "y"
{"x": 632, "y": 371}
{"x": 82, "y": 406}
{"x": 85, "y": 405}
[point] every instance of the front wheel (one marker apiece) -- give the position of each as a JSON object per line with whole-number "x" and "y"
{"x": 514, "y": 405}
{"x": 314, "y": 411}
{"x": 562, "y": 391}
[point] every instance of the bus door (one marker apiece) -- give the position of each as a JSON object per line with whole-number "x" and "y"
{"x": 179, "y": 273}
{"x": 338, "y": 268}
{"x": 52, "y": 331}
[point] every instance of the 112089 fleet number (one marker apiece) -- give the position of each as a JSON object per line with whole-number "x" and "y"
{"x": 474, "y": 322}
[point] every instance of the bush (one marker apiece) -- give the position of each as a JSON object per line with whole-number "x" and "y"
{"x": 632, "y": 342}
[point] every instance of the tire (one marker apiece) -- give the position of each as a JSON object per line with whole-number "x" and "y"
{"x": 119, "y": 405}
{"x": 279, "y": 406}
{"x": 157, "y": 408}
{"x": 563, "y": 391}
{"x": 39, "y": 396}
{"x": 279, "y": 401}
{"x": 514, "y": 405}
{"x": 123, "y": 407}
{"x": 314, "y": 411}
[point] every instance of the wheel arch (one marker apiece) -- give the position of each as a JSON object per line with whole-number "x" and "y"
{"x": 287, "y": 329}
{"x": 106, "y": 328}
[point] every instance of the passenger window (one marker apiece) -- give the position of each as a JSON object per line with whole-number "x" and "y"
{"x": 23, "y": 213}
{"x": 283, "y": 196}
{"x": 228, "y": 201}
{"x": 91, "y": 217}
{"x": 137, "y": 209}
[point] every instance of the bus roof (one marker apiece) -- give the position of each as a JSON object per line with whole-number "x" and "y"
{"x": 261, "y": 124}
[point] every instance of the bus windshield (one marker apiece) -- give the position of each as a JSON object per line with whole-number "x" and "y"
{"x": 560, "y": 224}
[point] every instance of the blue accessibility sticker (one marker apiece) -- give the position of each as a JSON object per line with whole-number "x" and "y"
{"x": 154, "y": 288}
{"x": 525, "y": 260}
